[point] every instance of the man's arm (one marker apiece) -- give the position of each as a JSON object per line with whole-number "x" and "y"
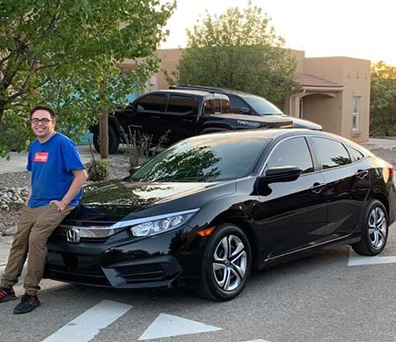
{"x": 80, "y": 177}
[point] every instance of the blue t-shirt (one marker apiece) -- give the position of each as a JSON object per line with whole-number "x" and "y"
{"x": 51, "y": 164}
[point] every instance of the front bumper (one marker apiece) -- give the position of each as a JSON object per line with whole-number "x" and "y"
{"x": 122, "y": 263}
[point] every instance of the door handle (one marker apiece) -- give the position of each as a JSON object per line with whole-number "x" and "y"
{"x": 361, "y": 174}
{"x": 317, "y": 187}
{"x": 154, "y": 117}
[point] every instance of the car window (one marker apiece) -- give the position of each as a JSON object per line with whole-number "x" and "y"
{"x": 203, "y": 159}
{"x": 182, "y": 104}
{"x": 153, "y": 102}
{"x": 292, "y": 152}
{"x": 225, "y": 106}
{"x": 261, "y": 105}
{"x": 331, "y": 153}
{"x": 217, "y": 106}
{"x": 236, "y": 104}
{"x": 355, "y": 154}
{"x": 208, "y": 107}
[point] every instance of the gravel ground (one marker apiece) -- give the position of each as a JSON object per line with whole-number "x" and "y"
{"x": 9, "y": 218}
{"x": 118, "y": 169}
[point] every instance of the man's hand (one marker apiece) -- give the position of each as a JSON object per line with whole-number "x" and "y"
{"x": 61, "y": 206}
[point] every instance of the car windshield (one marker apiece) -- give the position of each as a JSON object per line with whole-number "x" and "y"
{"x": 261, "y": 105}
{"x": 206, "y": 158}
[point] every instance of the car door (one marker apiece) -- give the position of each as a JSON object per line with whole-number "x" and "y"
{"x": 149, "y": 109}
{"x": 180, "y": 118}
{"x": 294, "y": 213}
{"x": 347, "y": 182}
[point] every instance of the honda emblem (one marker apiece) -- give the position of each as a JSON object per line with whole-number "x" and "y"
{"x": 73, "y": 235}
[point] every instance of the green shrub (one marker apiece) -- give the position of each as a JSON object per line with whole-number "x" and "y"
{"x": 98, "y": 170}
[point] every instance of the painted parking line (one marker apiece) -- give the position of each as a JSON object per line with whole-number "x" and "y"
{"x": 257, "y": 341}
{"x": 169, "y": 325}
{"x": 87, "y": 325}
{"x": 360, "y": 260}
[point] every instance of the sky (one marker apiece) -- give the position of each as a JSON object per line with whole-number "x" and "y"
{"x": 363, "y": 29}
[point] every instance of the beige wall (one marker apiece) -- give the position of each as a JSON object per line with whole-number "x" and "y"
{"x": 324, "y": 110}
{"x": 170, "y": 60}
{"x": 354, "y": 75}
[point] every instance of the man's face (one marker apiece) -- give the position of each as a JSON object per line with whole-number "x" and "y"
{"x": 45, "y": 126}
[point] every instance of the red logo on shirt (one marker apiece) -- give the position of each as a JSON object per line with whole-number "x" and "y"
{"x": 41, "y": 157}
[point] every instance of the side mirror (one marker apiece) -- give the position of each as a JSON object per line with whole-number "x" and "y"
{"x": 132, "y": 170}
{"x": 244, "y": 110}
{"x": 281, "y": 174}
{"x": 139, "y": 109}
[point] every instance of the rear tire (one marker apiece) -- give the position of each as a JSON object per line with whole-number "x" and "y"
{"x": 226, "y": 264}
{"x": 375, "y": 230}
{"x": 114, "y": 140}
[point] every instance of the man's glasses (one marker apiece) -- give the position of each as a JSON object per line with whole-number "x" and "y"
{"x": 44, "y": 121}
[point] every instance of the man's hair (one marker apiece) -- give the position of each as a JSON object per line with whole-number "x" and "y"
{"x": 42, "y": 107}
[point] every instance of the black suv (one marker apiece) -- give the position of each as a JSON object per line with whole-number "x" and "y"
{"x": 179, "y": 114}
{"x": 250, "y": 104}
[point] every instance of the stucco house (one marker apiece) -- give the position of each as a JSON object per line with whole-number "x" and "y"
{"x": 333, "y": 91}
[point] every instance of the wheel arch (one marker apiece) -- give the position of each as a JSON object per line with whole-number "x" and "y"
{"x": 383, "y": 199}
{"x": 246, "y": 228}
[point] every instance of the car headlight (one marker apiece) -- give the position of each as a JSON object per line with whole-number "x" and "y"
{"x": 162, "y": 223}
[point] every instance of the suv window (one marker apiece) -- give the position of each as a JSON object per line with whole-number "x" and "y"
{"x": 261, "y": 105}
{"x": 292, "y": 152}
{"x": 331, "y": 153}
{"x": 236, "y": 104}
{"x": 216, "y": 106}
{"x": 153, "y": 102}
{"x": 181, "y": 104}
{"x": 225, "y": 106}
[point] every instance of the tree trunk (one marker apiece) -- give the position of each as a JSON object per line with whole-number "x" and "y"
{"x": 104, "y": 136}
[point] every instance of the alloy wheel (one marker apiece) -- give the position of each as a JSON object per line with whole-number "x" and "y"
{"x": 377, "y": 227}
{"x": 229, "y": 263}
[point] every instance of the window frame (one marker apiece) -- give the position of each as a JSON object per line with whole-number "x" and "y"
{"x": 318, "y": 155}
{"x": 356, "y": 114}
{"x": 194, "y": 109}
{"x": 311, "y": 153}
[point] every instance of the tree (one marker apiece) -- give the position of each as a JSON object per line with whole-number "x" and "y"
{"x": 383, "y": 99}
{"x": 67, "y": 53}
{"x": 238, "y": 50}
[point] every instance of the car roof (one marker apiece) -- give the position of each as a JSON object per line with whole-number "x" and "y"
{"x": 210, "y": 89}
{"x": 203, "y": 93}
{"x": 276, "y": 134}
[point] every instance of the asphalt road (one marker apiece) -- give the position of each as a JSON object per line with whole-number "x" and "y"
{"x": 319, "y": 298}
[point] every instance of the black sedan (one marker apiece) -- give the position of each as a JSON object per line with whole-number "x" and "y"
{"x": 209, "y": 209}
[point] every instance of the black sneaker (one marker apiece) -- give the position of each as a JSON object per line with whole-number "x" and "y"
{"x": 7, "y": 295}
{"x": 27, "y": 304}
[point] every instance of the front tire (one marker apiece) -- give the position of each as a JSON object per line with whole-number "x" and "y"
{"x": 226, "y": 264}
{"x": 375, "y": 230}
{"x": 114, "y": 140}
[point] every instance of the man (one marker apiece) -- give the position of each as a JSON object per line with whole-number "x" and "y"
{"x": 57, "y": 175}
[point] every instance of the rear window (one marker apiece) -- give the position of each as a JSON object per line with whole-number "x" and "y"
{"x": 181, "y": 104}
{"x": 331, "y": 153}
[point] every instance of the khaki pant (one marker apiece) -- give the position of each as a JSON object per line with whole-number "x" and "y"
{"x": 34, "y": 228}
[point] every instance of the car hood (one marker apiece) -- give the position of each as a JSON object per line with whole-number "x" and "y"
{"x": 258, "y": 119}
{"x": 116, "y": 200}
{"x": 301, "y": 123}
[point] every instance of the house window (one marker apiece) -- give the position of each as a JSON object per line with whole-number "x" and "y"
{"x": 355, "y": 113}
